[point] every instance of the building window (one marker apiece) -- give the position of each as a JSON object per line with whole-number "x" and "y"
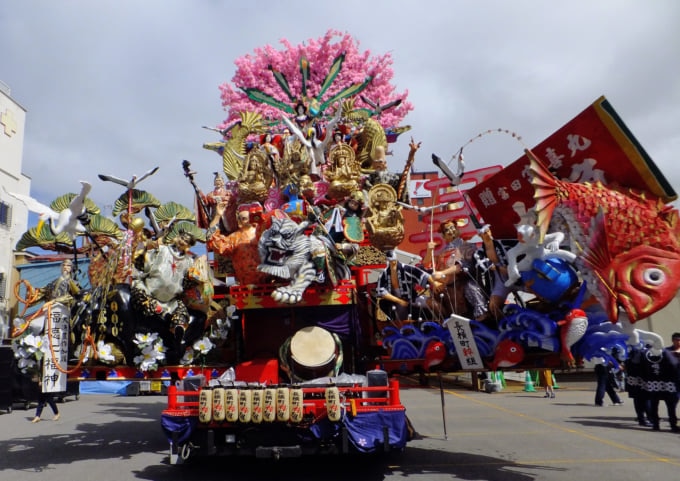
{"x": 5, "y": 214}
{"x": 3, "y": 287}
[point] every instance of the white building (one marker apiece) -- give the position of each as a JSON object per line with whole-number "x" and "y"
{"x": 13, "y": 214}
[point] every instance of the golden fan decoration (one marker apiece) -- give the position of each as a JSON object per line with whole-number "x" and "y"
{"x": 234, "y": 149}
{"x": 187, "y": 227}
{"x": 349, "y": 113}
{"x": 173, "y": 211}
{"x": 371, "y": 136}
{"x": 140, "y": 200}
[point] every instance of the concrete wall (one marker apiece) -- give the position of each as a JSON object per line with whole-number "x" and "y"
{"x": 12, "y": 123}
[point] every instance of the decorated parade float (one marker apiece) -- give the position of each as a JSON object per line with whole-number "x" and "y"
{"x": 286, "y": 337}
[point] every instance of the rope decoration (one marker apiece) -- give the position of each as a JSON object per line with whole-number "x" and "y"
{"x": 32, "y": 295}
{"x": 514, "y": 135}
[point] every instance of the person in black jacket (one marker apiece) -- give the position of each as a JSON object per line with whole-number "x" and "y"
{"x": 604, "y": 371}
{"x": 660, "y": 380}
{"x": 672, "y": 401}
{"x": 634, "y": 385}
{"x": 397, "y": 288}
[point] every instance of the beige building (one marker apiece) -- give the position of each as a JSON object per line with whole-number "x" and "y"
{"x": 13, "y": 214}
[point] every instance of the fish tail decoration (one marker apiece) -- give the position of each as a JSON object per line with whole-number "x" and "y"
{"x": 545, "y": 193}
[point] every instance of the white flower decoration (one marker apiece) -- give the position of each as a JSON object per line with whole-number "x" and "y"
{"x": 79, "y": 350}
{"x": 34, "y": 343}
{"x": 104, "y": 352}
{"x": 145, "y": 338}
{"x": 188, "y": 357}
{"x": 203, "y": 346}
{"x": 26, "y": 363}
{"x": 147, "y": 360}
{"x": 159, "y": 350}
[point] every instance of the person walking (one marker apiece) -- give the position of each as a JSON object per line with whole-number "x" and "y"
{"x": 547, "y": 381}
{"x": 672, "y": 399}
{"x": 604, "y": 372}
{"x": 660, "y": 378}
{"x": 634, "y": 367}
{"x": 46, "y": 398}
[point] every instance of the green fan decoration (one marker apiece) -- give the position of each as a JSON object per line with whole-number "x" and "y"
{"x": 173, "y": 211}
{"x": 184, "y": 226}
{"x": 63, "y": 202}
{"x": 140, "y": 200}
{"x": 45, "y": 239}
{"x": 100, "y": 225}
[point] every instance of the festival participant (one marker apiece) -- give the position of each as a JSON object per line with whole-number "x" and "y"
{"x": 62, "y": 289}
{"x": 221, "y": 194}
{"x": 672, "y": 403}
{"x": 345, "y": 226}
{"x": 240, "y": 246}
{"x": 660, "y": 378}
{"x": 397, "y": 288}
{"x": 495, "y": 252}
{"x": 634, "y": 384}
{"x": 267, "y": 143}
{"x": 452, "y": 267}
{"x": 302, "y": 117}
{"x": 605, "y": 382}
{"x": 158, "y": 283}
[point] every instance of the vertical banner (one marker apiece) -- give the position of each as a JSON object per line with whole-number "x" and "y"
{"x": 57, "y": 330}
{"x": 594, "y": 146}
{"x": 466, "y": 347}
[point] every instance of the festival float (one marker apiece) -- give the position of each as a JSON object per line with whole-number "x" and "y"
{"x": 287, "y": 337}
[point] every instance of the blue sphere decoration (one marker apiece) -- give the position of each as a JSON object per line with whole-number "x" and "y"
{"x": 550, "y": 278}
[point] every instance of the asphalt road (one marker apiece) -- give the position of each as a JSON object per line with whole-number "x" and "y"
{"x": 510, "y": 435}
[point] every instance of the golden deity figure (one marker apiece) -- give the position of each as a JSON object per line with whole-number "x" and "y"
{"x": 344, "y": 173}
{"x": 255, "y": 178}
{"x": 385, "y": 222}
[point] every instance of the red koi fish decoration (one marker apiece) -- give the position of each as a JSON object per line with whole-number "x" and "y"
{"x": 507, "y": 353}
{"x": 627, "y": 245}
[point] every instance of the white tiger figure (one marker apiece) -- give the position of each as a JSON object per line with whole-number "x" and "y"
{"x": 286, "y": 252}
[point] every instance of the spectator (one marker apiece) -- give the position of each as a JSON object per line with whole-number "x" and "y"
{"x": 46, "y": 398}
{"x": 606, "y": 382}
{"x": 547, "y": 381}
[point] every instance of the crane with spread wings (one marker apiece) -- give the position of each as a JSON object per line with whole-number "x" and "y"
{"x": 70, "y": 220}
